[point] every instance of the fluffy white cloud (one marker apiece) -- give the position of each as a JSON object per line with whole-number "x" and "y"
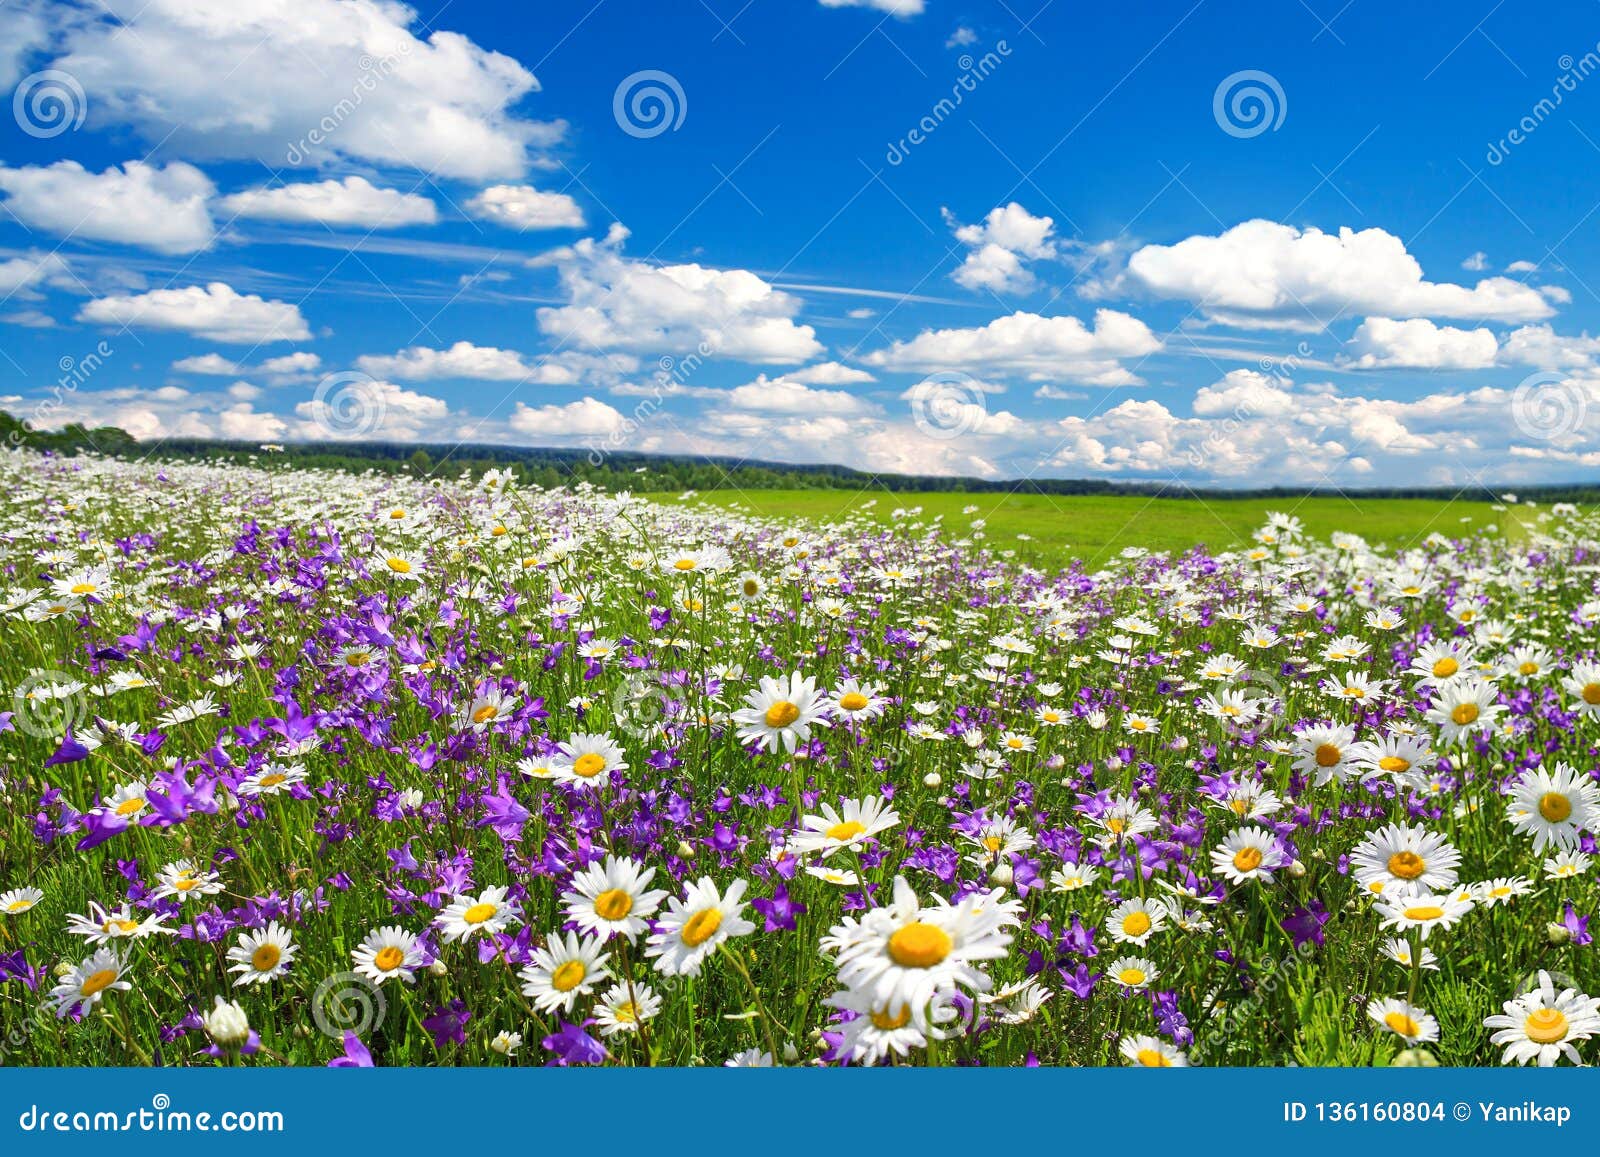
{"x": 786, "y": 396}
{"x": 151, "y": 206}
{"x": 1026, "y": 343}
{"x": 168, "y": 412}
{"x": 301, "y": 81}
{"x": 214, "y": 312}
{"x": 1539, "y": 345}
{"x": 299, "y": 362}
{"x": 1248, "y": 427}
{"x": 352, "y": 201}
{"x": 212, "y": 363}
{"x": 525, "y": 208}
{"x": 830, "y": 374}
{"x": 999, "y": 247}
{"x": 491, "y": 364}
{"x": 904, "y": 9}
{"x": 20, "y": 275}
{"x": 382, "y": 410}
{"x": 1417, "y": 343}
{"x": 588, "y": 418}
{"x": 622, "y": 304}
{"x": 1264, "y": 273}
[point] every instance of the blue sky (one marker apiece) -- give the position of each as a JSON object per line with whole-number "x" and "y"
{"x": 916, "y": 235}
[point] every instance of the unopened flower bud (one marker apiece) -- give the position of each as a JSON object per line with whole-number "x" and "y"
{"x": 226, "y": 1023}
{"x": 932, "y": 779}
{"x": 1558, "y": 933}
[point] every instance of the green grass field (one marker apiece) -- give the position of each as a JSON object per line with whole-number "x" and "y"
{"x": 1094, "y": 528}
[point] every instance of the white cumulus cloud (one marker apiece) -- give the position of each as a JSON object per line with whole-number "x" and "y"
{"x": 214, "y": 312}
{"x": 164, "y": 208}
{"x": 352, "y": 201}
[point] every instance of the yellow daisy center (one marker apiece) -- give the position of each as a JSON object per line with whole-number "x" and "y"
{"x": 1529, "y": 668}
{"x": 852, "y": 701}
{"x": 84, "y": 588}
{"x": 685, "y": 564}
{"x": 1546, "y": 1026}
{"x": 568, "y": 976}
{"x": 1464, "y": 713}
{"x": 1424, "y": 913}
{"x": 273, "y": 780}
{"x": 1445, "y": 668}
{"x": 265, "y": 958}
{"x": 1406, "y": 865}
{"x": 782, "y": 714}
{"x": 1153, "y": 1059}
{"x": 1135, "y": 924}
{"x": 1247, "y": 859}
{"x": 485, "y": 713}
{"x": 400, "y": 565}
{"x": 886, "y": 1020}
{"x": 702, "y": 926}
{"x": 846, "y": 830}
{"x": 478, "y": 913}
{"x": 588, "y": 765}
{"x": 1555, "y": 807}
{"x": 19, "y": 906}
{"x": 1402, "y": 1024}
{"x": 99, "y": 982}
{"x": 919, "y": 945}
{"x": 1132, "y": 977}
{"x": 1591, "y": 694}
{"x": 128, "y": 806}
{"x": 613, "y": 904}
{"x": 388, "y": 959}
{"x": 1393, "y": 764}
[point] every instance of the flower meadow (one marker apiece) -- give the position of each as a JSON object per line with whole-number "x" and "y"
{"x": 308, "y": 768}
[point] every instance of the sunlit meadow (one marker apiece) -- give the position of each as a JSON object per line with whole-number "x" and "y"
{"x": 317, "y": 769}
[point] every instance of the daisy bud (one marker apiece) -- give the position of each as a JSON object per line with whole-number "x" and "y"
{"x": 226, "y": 1024}
{"x": 685, "y": 851}
{"x": 932, "y": 779}
{"x": 1415, "y": 1059}
{"x": 506, "y": 1043}
{"x": 438, "y": 968}
{"x": 1001, "y": 875}
{"x": 62, "y": 969}
{"x": 1114, "y": 763}
{"x": 1181, "y": 743}
{"x": 1056, "y": 762}
{"x": 791, "y": 1055}
{"x": 1557, "y": 933}
{"x": 411, "y": 798}
{"x": 1296, "y": 869}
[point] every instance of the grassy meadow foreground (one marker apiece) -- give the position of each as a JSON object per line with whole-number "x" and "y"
{"x": 317, "y": 769}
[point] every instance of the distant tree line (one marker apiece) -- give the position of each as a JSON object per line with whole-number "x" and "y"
{"x": 550, "y": 468}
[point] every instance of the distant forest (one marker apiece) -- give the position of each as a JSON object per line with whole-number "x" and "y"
{"x": 659, "y": 473}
